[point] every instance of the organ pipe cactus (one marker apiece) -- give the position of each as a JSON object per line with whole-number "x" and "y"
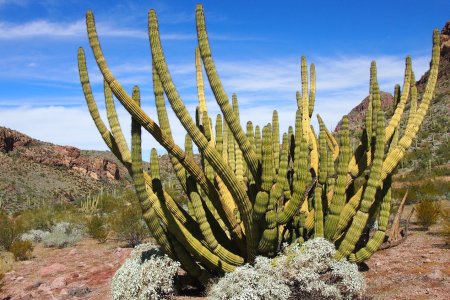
{"x": 252, "y": 194}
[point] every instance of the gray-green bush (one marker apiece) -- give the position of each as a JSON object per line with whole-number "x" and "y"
{"x": 147, "y": 274}
{"x": 301, "y": 272}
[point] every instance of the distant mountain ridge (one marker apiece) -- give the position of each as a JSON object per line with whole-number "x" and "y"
{"x": 32, "y": 170}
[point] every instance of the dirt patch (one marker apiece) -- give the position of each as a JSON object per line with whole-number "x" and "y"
{"x": 83, "y": 271}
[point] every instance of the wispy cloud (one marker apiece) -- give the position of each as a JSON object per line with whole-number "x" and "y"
{"x": 46, "y": 28}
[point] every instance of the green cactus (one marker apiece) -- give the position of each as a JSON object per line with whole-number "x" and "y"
{"x": 251, "y": 194}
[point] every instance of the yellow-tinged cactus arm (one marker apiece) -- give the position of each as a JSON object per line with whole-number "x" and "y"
{"x": 221, "y": 96}
{"x": 219, "y": 134}
{"x": 114, "y": 124}
{"x": 200, "y": 83}
{"x": 318, "y": 195}
{"x": 290, "y": 208}
{"x": 377, "y": 239}
{"x": 394, "y": 156}
{"x": 314, "y": 154}
{"x": 267, "y": 160}
{"x": 395, "y": 120}
{"x": 360, "y": 220}
{"x": 239, "y": 171}
{"x": 208, "y": 234}
{"x": 148, "y": 211}
{"x": 331, "y": 141}
{"x": 107, "y": 136}
{"x": 312, "y": 89}
{"x": 339, "y": 197}
{"x": 413, "y": 103}
{"x": 229, "y": 207}
{"x": 165, "y": 125}
{"x": 154, "y": 164}
{"x": 276, "y": 141}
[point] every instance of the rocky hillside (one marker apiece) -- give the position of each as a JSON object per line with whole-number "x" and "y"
{"x": 33, "y": 172}
{"x": 431, "y": 148}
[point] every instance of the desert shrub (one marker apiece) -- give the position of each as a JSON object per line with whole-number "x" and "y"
{"x": 96, "y": 228}
{"x": 2, "y": 276}
{"x": 34, "y": 235}
{"x": 428, "y": 189}
{"x": 259, "y": 282}
{"x": 427, "y": 212}
{"x": 63, "y": 235}
{"x": 22, "y": 250}
{"x": 446, "y": 224}
{"x": 147, "y": 274}
{"x": 300, "y": 272}
{"x": 10, "y": 230}
{"x": 6, "y": 261}
{"x": 109, "y": 203}
{"x": 129, "y": 225}
{"x": 45, "y": 217}
{"x": 37, "y": 218}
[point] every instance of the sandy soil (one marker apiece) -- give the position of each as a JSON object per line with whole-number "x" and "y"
{"x": 419, "y": 268}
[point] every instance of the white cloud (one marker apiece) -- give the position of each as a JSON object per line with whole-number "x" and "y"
{"x": 46, "y": 28}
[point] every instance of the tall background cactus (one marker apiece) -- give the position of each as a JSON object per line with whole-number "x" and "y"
{"x": 253, "y": 192}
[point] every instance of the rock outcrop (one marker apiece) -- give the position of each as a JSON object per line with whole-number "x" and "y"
{"x": 57, "y": 156}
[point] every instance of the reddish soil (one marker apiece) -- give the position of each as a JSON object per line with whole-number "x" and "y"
{"x": 419, "y": 268}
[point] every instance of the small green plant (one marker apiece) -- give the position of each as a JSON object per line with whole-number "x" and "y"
{"x": 446, "y": 224}
{"x": 96, "y": 228}
{"x": 22, "y": 250}
{"x": 129, "y": 226}
{"x": 427, "y": 212}
{"x": 2, "y": 276}
{"x": 10, "y": 230}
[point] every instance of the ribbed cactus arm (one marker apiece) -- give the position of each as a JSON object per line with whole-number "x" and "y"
{"x": 221, "y": 97}
{"x": 114, "y": 123}
{"x": 312, "y": 89}
{"x": 339, "y": 197}
{"x": 148, "y": 212}
{"x": 331, "y": 140}
{"x": 209, "y": 234}
{"x": 107, "y": 136}
{"x": 395, "y": 120}
{"x": 413, "y": 103}
{"x": 360, "y": 220}
{"x": 394, "y": 156}
{"x": 165, "y": 125}
{"x": 200, "y": 83}
{"x": 288, "y": 210}
{"x": 208, "y": 150}
{"x": 276, "y": 140}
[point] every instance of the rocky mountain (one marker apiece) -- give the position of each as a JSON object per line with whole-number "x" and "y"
{"x": 431, "y": 147}
{"x": 33, "y": 172}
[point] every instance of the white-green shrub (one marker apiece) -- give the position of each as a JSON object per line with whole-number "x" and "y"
{"x": 261, "y": 281}
{"x": 62, "y": 235}
{"x": 300, "y": 272}
{"x": 147, "y": 274}
{"x": 34, "y": 235}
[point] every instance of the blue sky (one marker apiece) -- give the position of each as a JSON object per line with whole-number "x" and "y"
{"x": 256, "y": 45}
